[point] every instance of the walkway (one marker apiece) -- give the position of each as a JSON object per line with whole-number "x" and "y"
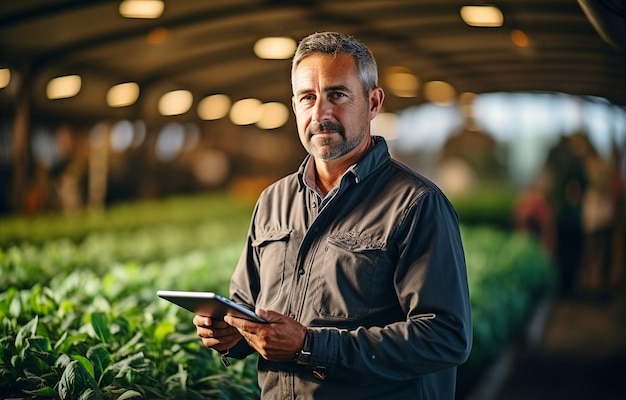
{"x": 581, "y": 354}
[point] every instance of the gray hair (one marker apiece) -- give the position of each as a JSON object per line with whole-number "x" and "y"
{"x": 334, "y": 43}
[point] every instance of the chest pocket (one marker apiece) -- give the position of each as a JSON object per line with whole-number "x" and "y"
{"x": 350, "y": 270}
{"x": 271, "y": 248}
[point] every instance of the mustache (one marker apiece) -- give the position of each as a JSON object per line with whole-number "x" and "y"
{"x": 325, "y": 126}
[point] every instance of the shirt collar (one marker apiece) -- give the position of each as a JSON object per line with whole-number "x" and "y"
{"x": 377, "y": 155}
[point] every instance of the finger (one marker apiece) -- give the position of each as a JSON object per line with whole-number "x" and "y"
{"x": 204, "y": 331}
{"x": 199, "y": 320}
{"x": 270, "y": 316}
{"x": 202, "y": 321}
{"x": 241, "y": 323}
{"x": 222, "y": 342}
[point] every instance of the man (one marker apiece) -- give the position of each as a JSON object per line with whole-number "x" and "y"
{"x": 355, "y": 261}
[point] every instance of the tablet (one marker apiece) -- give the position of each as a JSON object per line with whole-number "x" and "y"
{"x": 208, "y": 304}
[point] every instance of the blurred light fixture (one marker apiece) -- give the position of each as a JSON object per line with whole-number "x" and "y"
{"x": 440, "y": 93}
{"x": 63, "y": 87}
{"x": 175, "y": 102}
{"x": 401, "y": 82}
{"x": 213, "y": 107}
{"x": 148, "y": 9}
{"x": 246, "y": 112}
{"x": 484, "y": 16}
{"x": 519, "y": 38}
{"x": 5, "y": 77}
{"x": 275, "y": 48}
{"x": 273, "y": 115}
{"x": 122, "y": 95}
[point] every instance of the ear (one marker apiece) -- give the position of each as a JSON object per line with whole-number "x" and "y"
{"x": 376, "y": 98}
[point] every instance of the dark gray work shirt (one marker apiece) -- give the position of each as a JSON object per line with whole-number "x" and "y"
{"x": 378, "y": 277}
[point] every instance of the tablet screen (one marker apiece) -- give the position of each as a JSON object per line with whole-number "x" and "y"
{"x": 208, "y": 304}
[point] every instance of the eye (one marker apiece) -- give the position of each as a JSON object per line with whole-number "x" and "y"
{"x": 307, "y": 97}
{"x": 337, "y": 95}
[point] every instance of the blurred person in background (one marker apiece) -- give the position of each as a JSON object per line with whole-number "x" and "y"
{"x": 533, "y": 212}
{"x": 566, "y": 166}
{"x": 355, "y": 261}
{"x": 600, "y": 221}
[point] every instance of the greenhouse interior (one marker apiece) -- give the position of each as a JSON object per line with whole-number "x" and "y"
{"x": 137, "y": 135}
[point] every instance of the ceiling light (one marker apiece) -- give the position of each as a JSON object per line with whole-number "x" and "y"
{"x": 273, "y": 115}
{"x": 401, "y": 82}
{"x": 440, "y": 93}
{"x": 275, "y": 48}
{"x": 175, "y": 102}
{"x": 122, "y": 95}
{"x": 214, "y": 107}
{"x": 63, "y": 87}
{"x": 246, "y": 112}
{"x": 5, "y": 77}
{"x": 141, "y": 8}
{"x": 482, "y": 16}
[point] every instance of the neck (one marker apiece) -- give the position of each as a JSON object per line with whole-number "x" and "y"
{"x": 328, "y": 173}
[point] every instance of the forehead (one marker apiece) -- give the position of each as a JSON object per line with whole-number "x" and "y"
{"x": 326, "y": 68}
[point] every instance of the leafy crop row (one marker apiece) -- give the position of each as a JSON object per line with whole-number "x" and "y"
{"x": 80, "y": 319}
{"x": 88, "y": 336}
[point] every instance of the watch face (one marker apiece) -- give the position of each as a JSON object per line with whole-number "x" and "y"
{"x": 303, "y": 357}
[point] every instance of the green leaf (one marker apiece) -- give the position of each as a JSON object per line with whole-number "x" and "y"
{"x": 46, "y": 391}
{"x": 101, "y": 359}
{"x": 62, "y": 361}
{"x": 101, "y": 327}
{"x": 60, "y": 341}
{"x": 15, "y": 306}
{"x": 85, "y": 363}
{"x": 89, "y": 394}
{"x": 67, "y": 383}
{"x": 26, "y": 331}
{"x": 129, "y": 394}
{"x": 76, "y": 380}
{"x": 129, "y": 346}
{"x": 41, "y": 344}
{"x": 63, "y": 346}
{"x": 162, "y": 330}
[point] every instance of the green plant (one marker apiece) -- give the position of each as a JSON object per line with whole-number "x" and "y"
{"x": 79, "y": 316}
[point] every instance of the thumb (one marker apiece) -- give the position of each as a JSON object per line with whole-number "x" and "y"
{"x": 268, "y": 315}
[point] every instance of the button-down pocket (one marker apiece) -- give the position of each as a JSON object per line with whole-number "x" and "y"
{"x": 347, "y": 276}
{"x": 272, "y": 250}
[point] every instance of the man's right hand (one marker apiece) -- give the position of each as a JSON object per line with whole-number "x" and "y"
{"x": 216, "y": 334}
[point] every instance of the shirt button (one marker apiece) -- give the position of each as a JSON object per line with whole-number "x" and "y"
{"x": 313, "y": 205}
{"x": 301, "y": 271}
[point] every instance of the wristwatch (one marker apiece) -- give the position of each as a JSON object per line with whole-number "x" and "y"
{"x": 303, "y": 357}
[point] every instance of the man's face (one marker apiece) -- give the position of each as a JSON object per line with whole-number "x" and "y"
{"x": 332, "y": 112}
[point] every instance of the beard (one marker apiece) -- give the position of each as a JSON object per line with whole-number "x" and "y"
{"x": 330, "y": 147}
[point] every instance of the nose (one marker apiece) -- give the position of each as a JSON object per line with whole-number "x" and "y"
{"x": 322, "y": 111}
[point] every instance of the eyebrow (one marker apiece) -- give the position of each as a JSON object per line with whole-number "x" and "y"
{"x": 334, "y": 88}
